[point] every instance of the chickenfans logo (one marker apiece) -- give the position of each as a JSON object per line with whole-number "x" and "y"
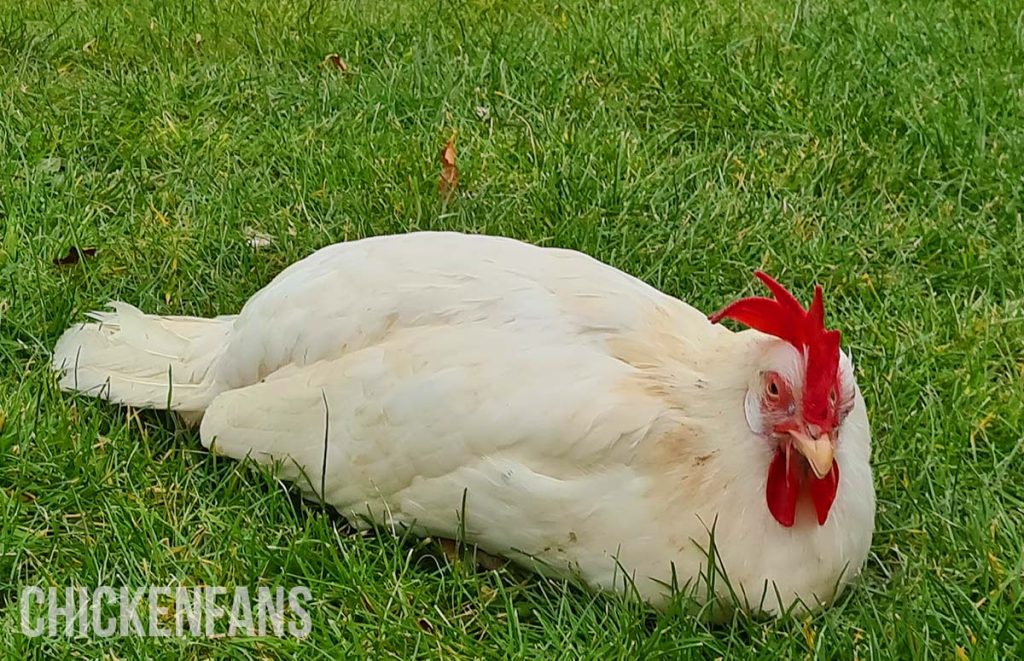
{"x": 163, "y": 612}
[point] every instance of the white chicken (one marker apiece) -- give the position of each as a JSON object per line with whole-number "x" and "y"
{"x": 543, "y": 405}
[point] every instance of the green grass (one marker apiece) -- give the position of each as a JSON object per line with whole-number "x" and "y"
{"x": 877, "y": 148}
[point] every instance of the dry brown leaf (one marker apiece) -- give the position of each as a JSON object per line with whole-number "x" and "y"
{"x": 455, "y": 555}
{"x": 489, "y": 562}
{"x": 449, "y": 549}
{"x": 74, "y": 255}
{"x": 335, "y": 61}
{"x": 449, "y": 170}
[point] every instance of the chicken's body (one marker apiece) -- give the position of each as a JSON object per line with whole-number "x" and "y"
{"x": 547, "y": 407}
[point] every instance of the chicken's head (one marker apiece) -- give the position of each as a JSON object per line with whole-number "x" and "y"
{"x": 797, "y": 398}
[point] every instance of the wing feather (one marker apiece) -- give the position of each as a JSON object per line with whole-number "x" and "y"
{"x": 536, "y": 433}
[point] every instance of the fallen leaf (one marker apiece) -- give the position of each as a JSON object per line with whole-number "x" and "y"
{"x": 450, "y": 550}
{"x": 489, "y": 562}
{"x": 425, "y": 625}
{"x": 51, "y": 165}
{"x": 257, "y": 240}
{"x": 74, "y": 255}
{"x": 449, "y": 170}
{"x": 335, "y": 61}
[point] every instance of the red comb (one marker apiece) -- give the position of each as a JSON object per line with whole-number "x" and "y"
{"x": 786, "y": 319}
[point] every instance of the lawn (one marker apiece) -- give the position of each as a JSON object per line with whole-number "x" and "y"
{"x": 876, "y": 148}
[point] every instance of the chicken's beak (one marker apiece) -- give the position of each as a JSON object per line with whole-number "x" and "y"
{"x": 818, "y": 451}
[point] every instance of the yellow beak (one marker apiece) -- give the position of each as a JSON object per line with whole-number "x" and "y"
{"x": 819, "y": 452}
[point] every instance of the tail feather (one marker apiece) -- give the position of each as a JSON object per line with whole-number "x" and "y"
{"x": 143, "y": 360}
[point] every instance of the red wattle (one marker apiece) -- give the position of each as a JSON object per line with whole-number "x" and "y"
{"x": 823, "y": 492}
{"x": 783, "y": 488}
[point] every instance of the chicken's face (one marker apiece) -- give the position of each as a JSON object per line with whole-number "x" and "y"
{"x": 803, "y": 452}
{"x": 797, "y": 398}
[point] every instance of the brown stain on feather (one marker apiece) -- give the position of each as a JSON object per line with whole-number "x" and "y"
{"x": 679, "y": 454}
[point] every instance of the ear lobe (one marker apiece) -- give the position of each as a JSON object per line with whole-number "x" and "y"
{"x": 752, "y": 412}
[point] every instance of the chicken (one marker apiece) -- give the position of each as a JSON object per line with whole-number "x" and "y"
{"x": 545, "y": 406}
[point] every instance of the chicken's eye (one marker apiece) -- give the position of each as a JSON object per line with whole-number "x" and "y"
{"x": 772, "y": 389}
{"x": 832, "y": 397}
